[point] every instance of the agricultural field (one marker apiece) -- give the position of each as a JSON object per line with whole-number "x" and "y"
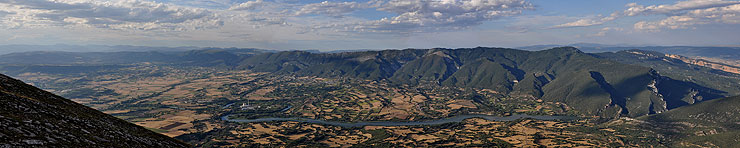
{"x": 189, "y": 102}
{"x": 469, "y": 133}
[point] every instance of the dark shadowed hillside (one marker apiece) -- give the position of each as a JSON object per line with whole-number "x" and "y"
{"x": 31, "y": 117}
{"x": 696, "y": 82}
{"x": 714, "y": 123}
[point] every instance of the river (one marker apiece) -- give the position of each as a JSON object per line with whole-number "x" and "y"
{"x": 458, "y": 118}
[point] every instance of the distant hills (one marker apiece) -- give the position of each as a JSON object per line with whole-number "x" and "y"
{"x": 31, "y": 117}
{"x": 81, "y": 62}
{"x": 607, "y": 84}
{"x": 6, "y": 49}
{"x": 731, "y": 53}
{"x": 125, "y": 57}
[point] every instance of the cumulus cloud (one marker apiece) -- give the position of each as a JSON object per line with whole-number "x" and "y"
{"x": 408, "y": 15}
{"x": 680, "y": 15}
{"x": 589, "y": 21}
{"x": 604, "y": 30}
{"x": 676, "y": 9}
{"x": 426, "y": 15}
{"x": 450, "y": 13}
{"x": 334, "y": 9}
{"x": 687, "y": 14}
{"x": 120, "y": 15}
{"x": 213, "y": 4}
{"x": 258, "y": 21}
{"x": 249, "y": 5}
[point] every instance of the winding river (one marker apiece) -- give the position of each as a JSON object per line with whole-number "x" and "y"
{"x": 458, "y": 118}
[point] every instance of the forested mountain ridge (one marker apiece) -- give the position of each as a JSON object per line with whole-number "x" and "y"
{"x": 587, "y": 83}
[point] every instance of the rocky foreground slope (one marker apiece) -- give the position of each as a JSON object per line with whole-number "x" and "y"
{"x": 31, "y": 117}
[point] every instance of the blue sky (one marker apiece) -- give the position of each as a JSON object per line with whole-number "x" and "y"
{"x": 369, "y": 24}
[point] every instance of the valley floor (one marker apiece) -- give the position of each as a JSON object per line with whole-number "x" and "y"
{"x": 188, "y": 102}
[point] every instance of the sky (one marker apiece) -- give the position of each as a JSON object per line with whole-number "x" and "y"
{"x": 369, "y": 24}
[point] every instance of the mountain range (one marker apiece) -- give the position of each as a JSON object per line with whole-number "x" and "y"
{"x": 715, "y": 52}
{"x": 592, "y": 85}
{"x": 609, "y": 84}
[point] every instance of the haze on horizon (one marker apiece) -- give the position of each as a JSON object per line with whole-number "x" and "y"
{"x": 368, "y": 24}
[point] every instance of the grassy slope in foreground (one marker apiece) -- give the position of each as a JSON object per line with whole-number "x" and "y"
{"x": 32, "y": 117}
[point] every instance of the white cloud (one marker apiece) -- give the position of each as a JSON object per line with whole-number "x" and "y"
{"x": 296, "y": 24}
{"x": 673, "y": 22}
{"x": 334, "y": 9}
{"x": 589, "y": 21}
{"x": 434, "y": 15}
{"x": 213, "y": 4}
{"x": 119, "y": 15}
{"x": 451, "y": 13}
{"x": 687, "y": 14}
{"x": 332, "y": 18}
{"x": 258, "y": 21}
{"x": 680, "y": 15}
{"x": 675, "y": 9}
{"x": 249, "y": 5}
{"x": 604, "y": 30}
